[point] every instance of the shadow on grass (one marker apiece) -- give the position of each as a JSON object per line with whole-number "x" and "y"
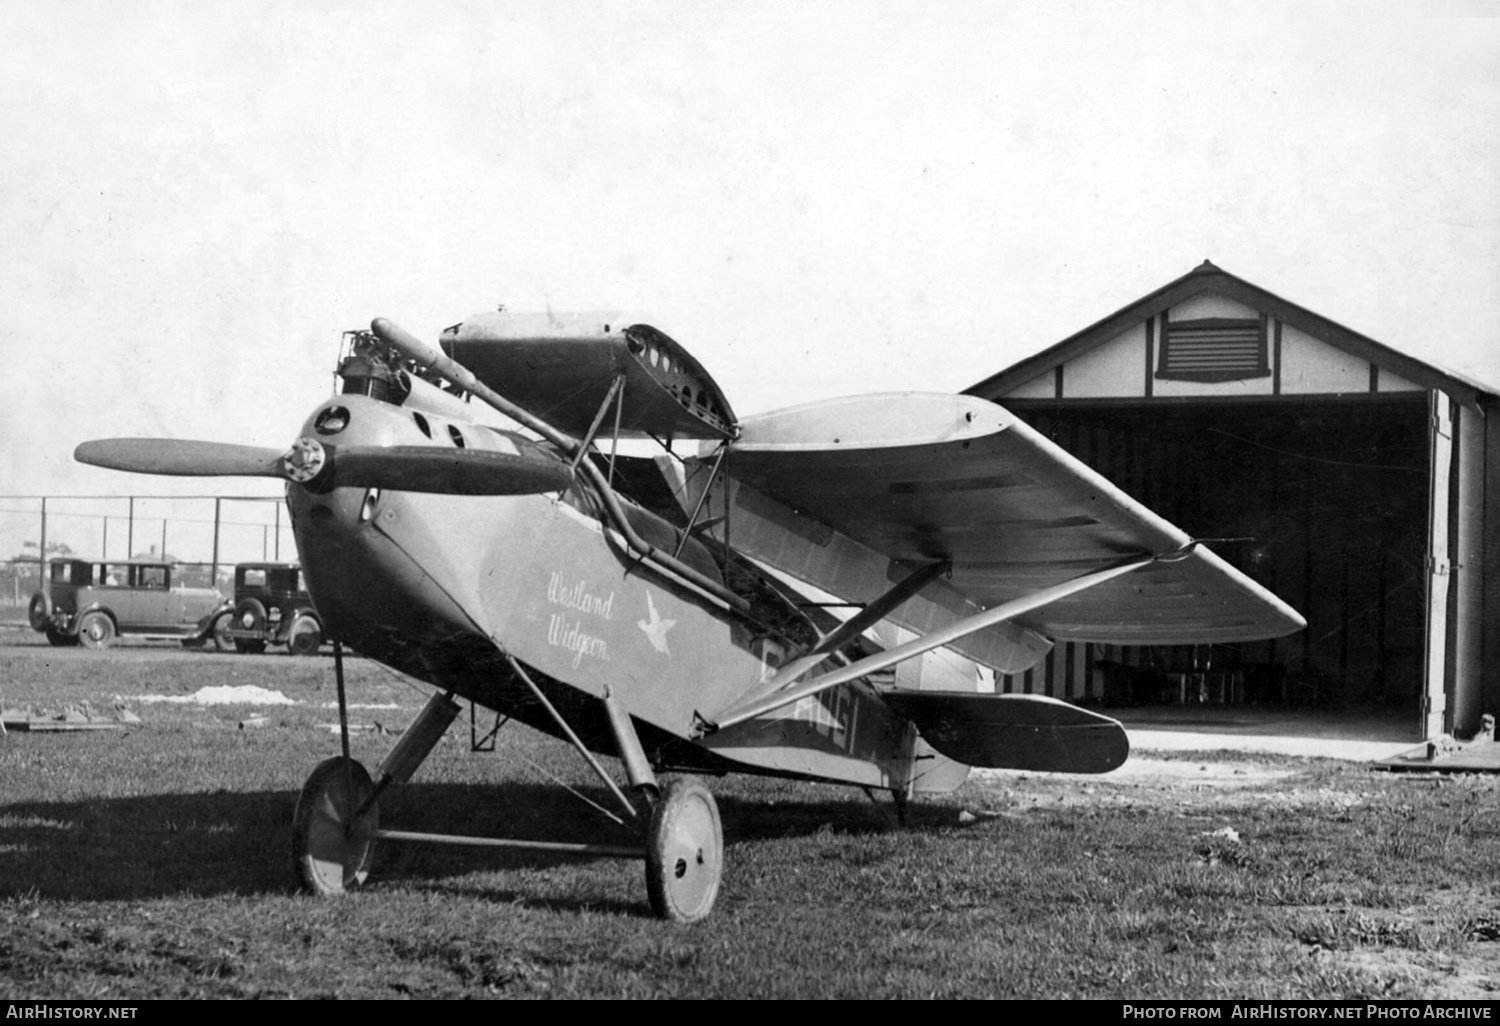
{"x": 238, "y": 843}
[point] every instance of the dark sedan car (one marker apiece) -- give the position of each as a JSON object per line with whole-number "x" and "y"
{"x": 271, "y": 607}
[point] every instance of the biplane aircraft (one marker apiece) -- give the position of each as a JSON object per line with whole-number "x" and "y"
{"x": 662, "y": 609}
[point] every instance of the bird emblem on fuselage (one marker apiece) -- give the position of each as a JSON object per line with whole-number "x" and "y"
{"x": 656, "y": 628}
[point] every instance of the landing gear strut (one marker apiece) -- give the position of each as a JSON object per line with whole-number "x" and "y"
{"x": 337, "y": 822}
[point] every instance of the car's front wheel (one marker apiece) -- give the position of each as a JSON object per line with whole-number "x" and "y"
{"x": 96, "y": 630}
{"x": 40, "y": 611}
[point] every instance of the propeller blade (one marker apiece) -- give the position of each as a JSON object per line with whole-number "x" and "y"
{"x": 181, "y": 458}
{"x": 405, "y": 468}
{"x": 419, "y": 468}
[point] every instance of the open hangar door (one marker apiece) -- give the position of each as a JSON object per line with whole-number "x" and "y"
{"x": 1323, "y": 500}
{"x": 1358, "y": 482}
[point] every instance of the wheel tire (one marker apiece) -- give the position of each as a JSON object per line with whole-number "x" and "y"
{"x": 250, "y": 615}
{"x": 684, "y": 852}
{"x": 328, "y": 862}
{"x": 305, "y": 637}
{"x": 96, "y": 630}
{"x": 39, "y": 613}
{"x": 219, "y": 632}
{"x": 60, "y": 640}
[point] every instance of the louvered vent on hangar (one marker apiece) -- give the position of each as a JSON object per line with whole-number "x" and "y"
{"x": 1214, "y": 349}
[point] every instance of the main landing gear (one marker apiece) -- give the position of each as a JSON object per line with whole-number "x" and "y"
{"x": 336, "y": 826}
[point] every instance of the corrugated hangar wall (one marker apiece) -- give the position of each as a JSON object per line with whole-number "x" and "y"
{"x": 1359, "y": 484}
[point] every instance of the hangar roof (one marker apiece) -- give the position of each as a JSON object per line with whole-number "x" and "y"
{"x": 1208, "y": 278}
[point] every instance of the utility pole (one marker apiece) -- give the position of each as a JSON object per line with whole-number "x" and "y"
{"x": 41, "y": 554}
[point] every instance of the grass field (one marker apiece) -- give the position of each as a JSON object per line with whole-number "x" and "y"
{"x": 154, "y": 862}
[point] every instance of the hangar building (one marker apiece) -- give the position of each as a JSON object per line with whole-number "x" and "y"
{"x": 1358, "y": 483}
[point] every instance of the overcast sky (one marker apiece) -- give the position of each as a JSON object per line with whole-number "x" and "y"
{"x": 815, "y": 198}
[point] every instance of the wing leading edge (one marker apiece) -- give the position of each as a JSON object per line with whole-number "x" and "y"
{"x": 912, "y": 478}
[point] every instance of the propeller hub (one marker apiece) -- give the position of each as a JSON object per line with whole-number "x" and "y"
{"x": 304, "y": 460}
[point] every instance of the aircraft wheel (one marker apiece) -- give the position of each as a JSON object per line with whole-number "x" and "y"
{"x": 220, "y": 633}
{"x": 304, "y": 637}
{"x": 96, "y": 630}
{"x": 59, "y": 640}
{"x": 249, "y": 647}
{"x": 329, "y": 860}
{"x": 684, "y": 852}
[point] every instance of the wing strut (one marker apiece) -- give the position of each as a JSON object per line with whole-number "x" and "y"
{"x": 781, "y": 693}
{"x": 702, "y": 498}
{"x": 615, "y": 388}
{"x": 874, "y": 612}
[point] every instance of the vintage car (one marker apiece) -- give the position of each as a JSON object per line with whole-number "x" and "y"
{"x": 272, "y": 608}
{"x": 91, "y": 603}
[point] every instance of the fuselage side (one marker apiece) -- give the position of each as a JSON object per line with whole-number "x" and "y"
{"x": 444, "y": 587}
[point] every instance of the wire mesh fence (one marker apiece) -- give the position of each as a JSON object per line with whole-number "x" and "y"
{"x": 208, "y": 534}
